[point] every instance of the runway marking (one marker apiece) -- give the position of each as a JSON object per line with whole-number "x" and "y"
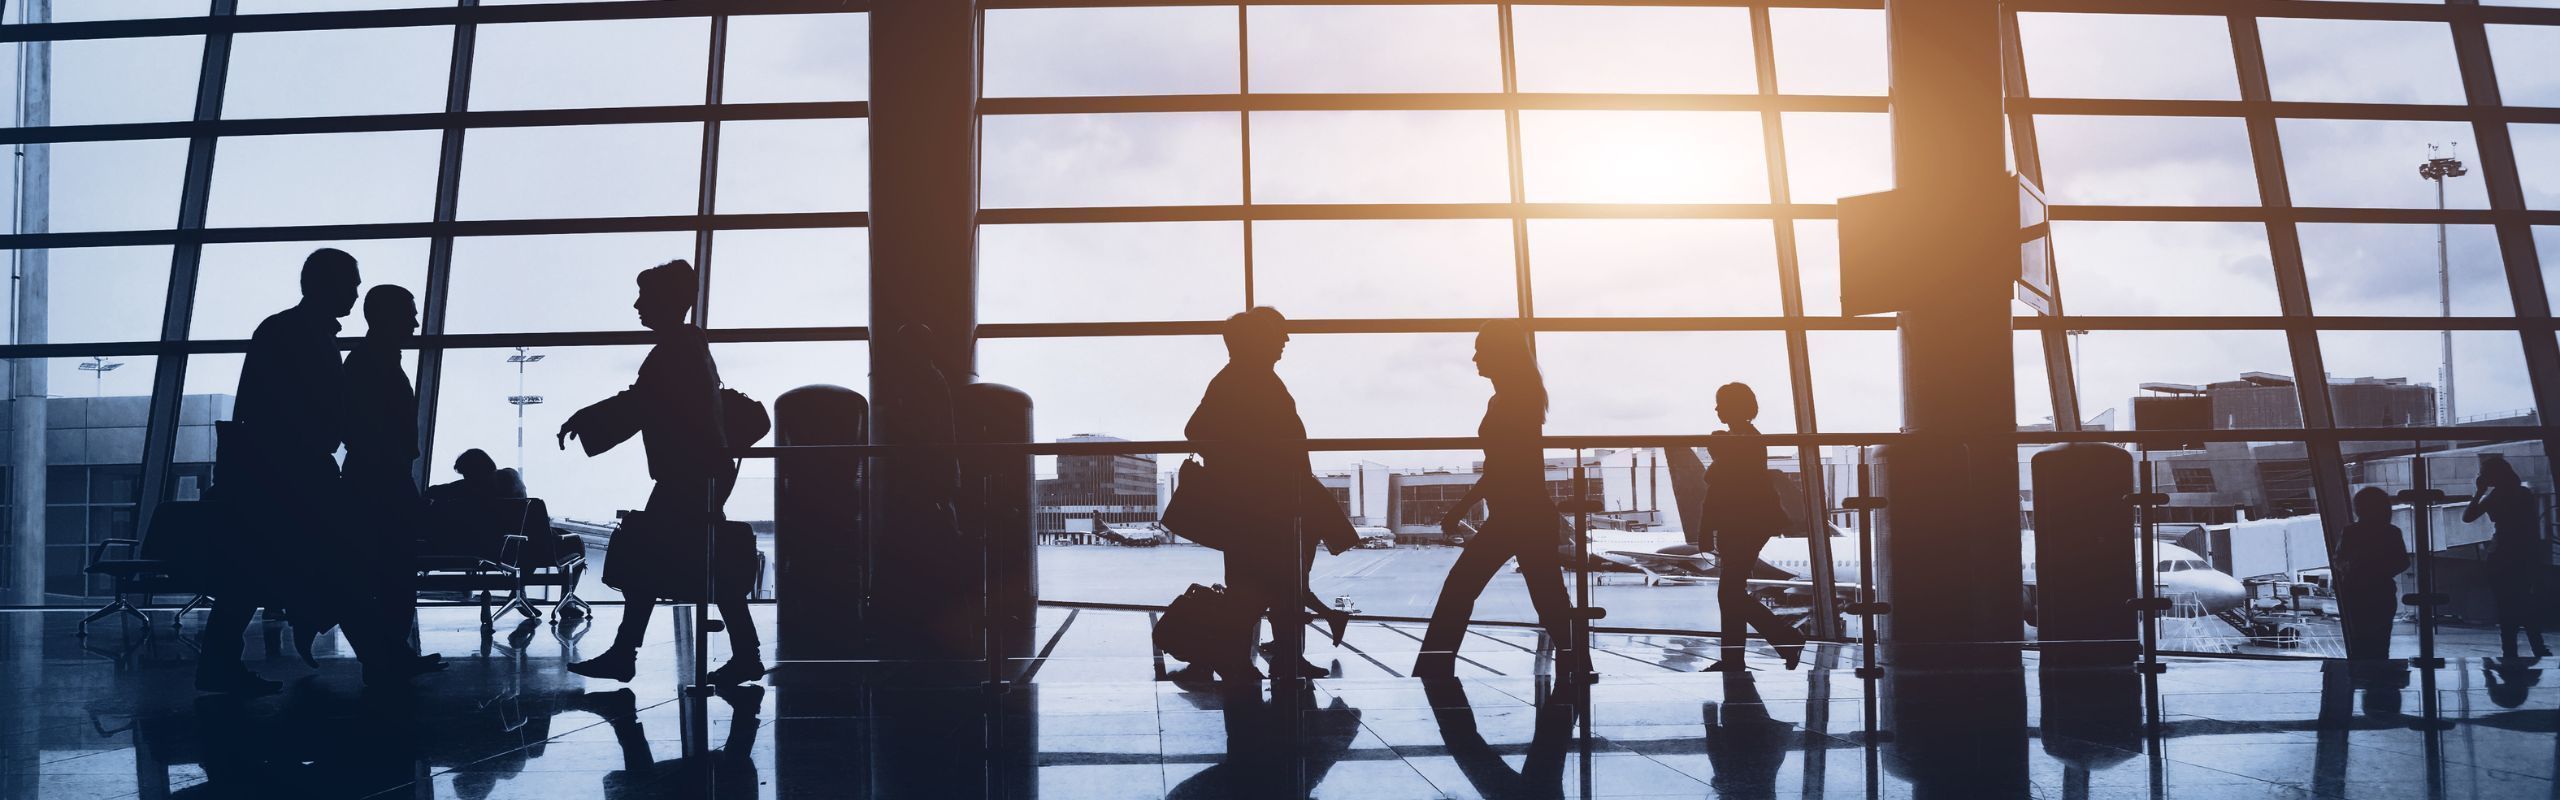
{"x": 1052, "y": 646}
{"x": 1461, "y": 656}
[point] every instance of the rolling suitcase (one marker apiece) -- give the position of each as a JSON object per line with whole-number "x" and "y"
{"x": 1202, "y": 623}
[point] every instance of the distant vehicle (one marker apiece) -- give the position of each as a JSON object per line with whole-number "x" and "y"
{"x": 1145, "y": 535}
{"x": 1784, "y": 574}
{"x": 1373, "y": 537}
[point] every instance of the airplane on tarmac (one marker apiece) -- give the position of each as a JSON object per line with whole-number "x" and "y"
{"x": 1784, "y": 574}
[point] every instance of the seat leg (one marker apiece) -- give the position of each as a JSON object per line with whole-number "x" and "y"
{"x": 112, "y": 608}
{"x": 179, "y": 621}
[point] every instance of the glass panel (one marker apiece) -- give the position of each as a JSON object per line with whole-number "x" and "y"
{"x": 2371, "y": 163}
{"x": 1374, "y": 49}
{"x": 1653, "y": 268}
{"x": 239, "y": 284}
{"x": 1114, "y": 272}
{"x": 2248, "y": 375}
{"x": 1633, "y": 49}
{"x": 102, "y": 186}
{"x": 325, "y": 179}
{"x": 1828, "y": 50}
{"x": 1052, "y": 160}
{"x": 797, "y": 58}
{"x": 2546, "y": 246}
{"x": 2537, "y": 163}
{"x": 581, "y": 171}
{"x": 472, "y": 411}
{"x": 1830, "y": 156}
{"x": 2182, "y": 161}
{"x": 2528, "y": 64}
{"x": 340, "y": 72}
{"x": 2142, "y": 56}
{"x": 632, "y": 62}
{"x": 794, "y": 165}
{"x": 1379, "y": 157}
{"x": 790, "y": 278}
{"x": 1643, "y": 157}
{"x": 2389, "y": 379}
{"x": 1818, "y": 265}
{"x": 104, "y": 81}
{"x": 1062, "y": 52}
{"x": 2034, "y": 388}
{"x": 578, "y": 282}
{"x": 1133, "y": 387}
{"x": 89, "y": 294}
{"x": 2360, "y": 61}
{"x": 1386, "y": 384}
{"x": 1386, "y": 268}
{"x": 2164, "y": 268}
{"x": 2391, "y": 270}
{"x": 1587, "y": 379}
{"x": 92, "y": 426}
{"x": 1857, "y": 381}
{"x": 123, "y": 9}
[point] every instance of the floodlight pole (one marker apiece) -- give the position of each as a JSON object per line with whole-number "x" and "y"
{"x": 100, "y": 366}
{"x": 2437, "y": 169}
{"x": 523, "y": 356}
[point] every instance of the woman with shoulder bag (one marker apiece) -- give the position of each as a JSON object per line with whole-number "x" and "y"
{"x": 1521, "y": 519}
{"x": 1742, "y": 511}
{"x": 676, "y": 407}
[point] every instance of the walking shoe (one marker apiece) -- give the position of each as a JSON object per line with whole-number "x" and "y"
{"x": 613, "y": 665}
{"x": 737, "y": 671}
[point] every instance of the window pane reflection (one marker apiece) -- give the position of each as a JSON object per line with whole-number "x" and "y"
{"x": 579, "y": 282}
{"x": 2389, "y": 379}
{"x": 1588, "y": 380}
{"x": 1828, "y": 50}
{"x": 1643, "y": 157}
{"x": 1379, "y": 157}
{"x": 89, "y": 294}
{"x": 1052, "y": 160}
{"x": 1374, "y": 49}
{"x": 1653, "y": 268}
{"x": 2144, "y": 56}
{"x": 2390, "y": 270}
{"x": 2360, "y": 61}
{"x": 790, "y": 278}
{"x": 1075, "y": 52}
{"x": 2177, "y": 161}
{"x": 797, "y": 58}
{"x": 1114, "y": 272}
{"x": 1633, "y": 49}
{"x": 1386, "y": 268}
{"x": 239, "y": 284}
{"x": 2164, "y": 268}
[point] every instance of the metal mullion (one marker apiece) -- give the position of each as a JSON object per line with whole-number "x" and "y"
{"x": 1040, "y": 4}
{"x": 2311, "y": 383}
{"x": 707, "y": 182}
{"x": 2453, "y": 216}
{"x": 1423, "y": 101}
{"x": 2409, "y": 11}
{"x": 437, "y": 294}
{"x": 2062, "y": 388}
{"x": 449, "y": 118}
{"x": 1244, "y": 137}
{"x": 2074, "y": 106}
{"x": 1524, "y": 303}
{"x": 1791, "y": 306}
{"x": 169, "y": 376}
{"x": 420, "y": 230}
{"x": 1359, "y": 211}
{"x": 2516, "y": 247}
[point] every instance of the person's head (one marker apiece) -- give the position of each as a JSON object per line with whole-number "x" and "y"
{"x": 1735, "y": 404}
{"x": 2373, "y": 504}
{"x": 390, "y": 312}
{"x": 2495, "y": 472}
{"x": 1257, "y": 335}
{"x": 329, "y": 280}
{"x": 666, "y": 295}
{"x": 1504, "y": 357}
{"x": 474, "y": 463}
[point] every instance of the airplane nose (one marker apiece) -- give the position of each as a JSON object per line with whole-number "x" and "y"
{"x": 2223, "y": 593}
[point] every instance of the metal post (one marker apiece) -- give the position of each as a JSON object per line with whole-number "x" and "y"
{"x": 2422, "y": 497}
{"x": 1867, "y": 608}
{"x": 2437, "y": 169}
{"x": 1578, "y": 629}
{"x": 27, "y": 455}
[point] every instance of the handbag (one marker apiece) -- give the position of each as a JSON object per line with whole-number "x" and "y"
{"x": 1198, "y": 501}
{"x": 658, "y": 555}
{"x": 743, "y": 420}
{"x": 1202, "y": 623}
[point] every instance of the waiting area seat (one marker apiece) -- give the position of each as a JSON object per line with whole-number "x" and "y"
{"x": 502, "y": 545}
{"x": 172, "y": 557}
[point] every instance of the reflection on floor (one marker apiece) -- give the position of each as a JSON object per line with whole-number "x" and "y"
{"x": 117, "y": 718}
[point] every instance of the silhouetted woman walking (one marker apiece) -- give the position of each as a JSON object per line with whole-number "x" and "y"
{"x": 2370, "y": 556}
{"x": 673, "y": 408}
{"x": 1742, "y": 512}
{"x": 2517, "y": 554}
{"x": 1521, "y": 520}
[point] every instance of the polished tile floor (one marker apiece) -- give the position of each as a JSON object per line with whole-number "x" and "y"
{"x": 114, "y": 716}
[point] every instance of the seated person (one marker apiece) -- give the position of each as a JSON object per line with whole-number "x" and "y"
{"x": 481, "y": 480}
{"x": 467, "y": 515}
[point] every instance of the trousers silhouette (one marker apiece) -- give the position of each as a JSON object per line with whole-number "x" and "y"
{"x": 1529, "y": 538}
{"x": 1737, "y": 555}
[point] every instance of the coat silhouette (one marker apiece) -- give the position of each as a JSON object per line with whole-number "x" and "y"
{"x": 1248, "y": 430}
{"x": 1521, "y": 520}
{"x": 2518, "y": 556}
{"x": 1742, "y": 512}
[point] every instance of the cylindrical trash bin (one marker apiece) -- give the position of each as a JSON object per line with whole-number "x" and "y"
{"x": 2085, "y": 566}
{"x": 818, "y": 537}
{"x": 996, "y": 510}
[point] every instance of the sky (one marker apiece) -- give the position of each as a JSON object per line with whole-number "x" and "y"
{"x": 1348, "y": 385}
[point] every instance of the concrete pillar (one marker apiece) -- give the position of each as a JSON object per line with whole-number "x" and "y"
{"x": 1949, "y": 534}
{"x": 926, "y": 575}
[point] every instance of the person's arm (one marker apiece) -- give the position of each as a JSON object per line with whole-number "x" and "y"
{"x": 2479, "y": 504}
{"x": 1458, "y": 513}
{"x": 2396, "y": 552}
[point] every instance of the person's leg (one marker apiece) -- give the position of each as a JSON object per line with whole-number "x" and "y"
{"x": 1743, "y": 613}
{"x": 635, "y": 623}
{"x": 1544, "y": 573}
{"x": 1476, "y": 566}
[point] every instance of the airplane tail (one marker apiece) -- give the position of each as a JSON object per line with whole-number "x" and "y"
{"x": 1688, "y": 489}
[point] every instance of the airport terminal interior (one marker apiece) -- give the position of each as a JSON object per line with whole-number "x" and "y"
{"x": 1280, "y": 399}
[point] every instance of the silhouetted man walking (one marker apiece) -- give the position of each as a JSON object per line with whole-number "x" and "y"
{"x": 382, "y": 451}
{"x": 1248, "y": 430}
